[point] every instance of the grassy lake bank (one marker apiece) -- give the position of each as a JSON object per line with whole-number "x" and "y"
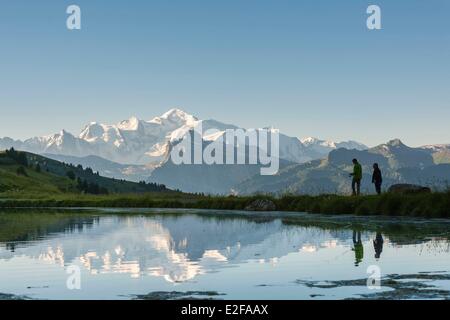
{"x": 32, "y": 181}
{"x": 434, "y": 205}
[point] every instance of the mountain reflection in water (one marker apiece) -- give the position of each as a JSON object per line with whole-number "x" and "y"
{"x": 180, "y": 248}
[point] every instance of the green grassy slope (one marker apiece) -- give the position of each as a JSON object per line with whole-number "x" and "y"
{"x": 33, "y": 185}
{"x": 86, "y": 174}
{"x": 44, "y": 178}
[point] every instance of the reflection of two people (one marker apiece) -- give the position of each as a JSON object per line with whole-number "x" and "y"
{"x": 358, "y": 247}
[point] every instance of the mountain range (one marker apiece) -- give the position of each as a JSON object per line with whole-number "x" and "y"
{"x": 132, "y": 149}
{"x": 399, "y": 163}
{"x": 138, "y": 150}
{"x": 140, "y": 142}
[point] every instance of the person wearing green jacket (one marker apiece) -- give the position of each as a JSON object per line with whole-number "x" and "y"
{"x": 357, "y": 177}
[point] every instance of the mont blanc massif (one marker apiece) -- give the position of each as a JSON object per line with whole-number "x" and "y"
{"x": 139, "y": 150}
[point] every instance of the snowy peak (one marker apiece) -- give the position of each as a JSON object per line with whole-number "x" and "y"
{"x": 311, "y": 142}
{"x": 135, "y": 141}
{"x": 175, "y": 116}
{"x": 140, "y": 142}
{"x": 131, "y": 124}
{"x": 436, "y": 147}
{"x": 56, "y": 139}
{"x": 395, "y": 143}
{"x": 392, "y": 146}
{"x": 92, "y": 131}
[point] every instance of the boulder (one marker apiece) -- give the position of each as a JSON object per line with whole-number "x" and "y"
{"x": 408, "y": 188}
{"x": 261, "y": 205}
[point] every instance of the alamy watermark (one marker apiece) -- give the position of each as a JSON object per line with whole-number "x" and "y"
{"x": 374, "y": 279}
{"x": 73, "y": 21}
{"x": 73, "y": 281}
{"x": 229, "y": 147}
{"x": 374, "y": 20}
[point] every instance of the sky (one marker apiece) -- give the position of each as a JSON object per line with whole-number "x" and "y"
{"x": 307, "y": 67}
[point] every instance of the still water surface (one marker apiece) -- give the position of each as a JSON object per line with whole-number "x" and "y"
{"x": 123, "y": 255}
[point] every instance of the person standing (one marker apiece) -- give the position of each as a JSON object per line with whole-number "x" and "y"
{"x": 377, "y": 178}
{"x": 357, "y": 177}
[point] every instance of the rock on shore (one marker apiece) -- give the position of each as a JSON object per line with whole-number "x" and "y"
{"x": 408, "y": 188}
{"x": 261, "y": 205}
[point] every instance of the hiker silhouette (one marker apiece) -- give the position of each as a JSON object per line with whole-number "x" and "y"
{"x": 377, "y": 178}
{"x": 357, "y": 177}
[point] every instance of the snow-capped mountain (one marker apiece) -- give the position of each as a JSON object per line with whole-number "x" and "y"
{"x": 439, "y": 152}
{"x": 315, "y": 148}
{"x": 135, "y": 141}
{"x": 131, "y": 141}
{"x": 322, "y": 146}
{"x": 437, "y": 147}
{"x": 141, "y": 142}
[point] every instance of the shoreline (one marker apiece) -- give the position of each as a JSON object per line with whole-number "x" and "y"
{"x": 433, "y": 205}
{"x": 304, "y": 216}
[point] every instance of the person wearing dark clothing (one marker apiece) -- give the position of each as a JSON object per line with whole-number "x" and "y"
{"x": 378, "y": 245}
{"x": 357, "y": 177}
{"x": 377, "y": 178}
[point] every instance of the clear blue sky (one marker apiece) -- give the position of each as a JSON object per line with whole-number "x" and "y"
{"x": 310, "y": 68}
